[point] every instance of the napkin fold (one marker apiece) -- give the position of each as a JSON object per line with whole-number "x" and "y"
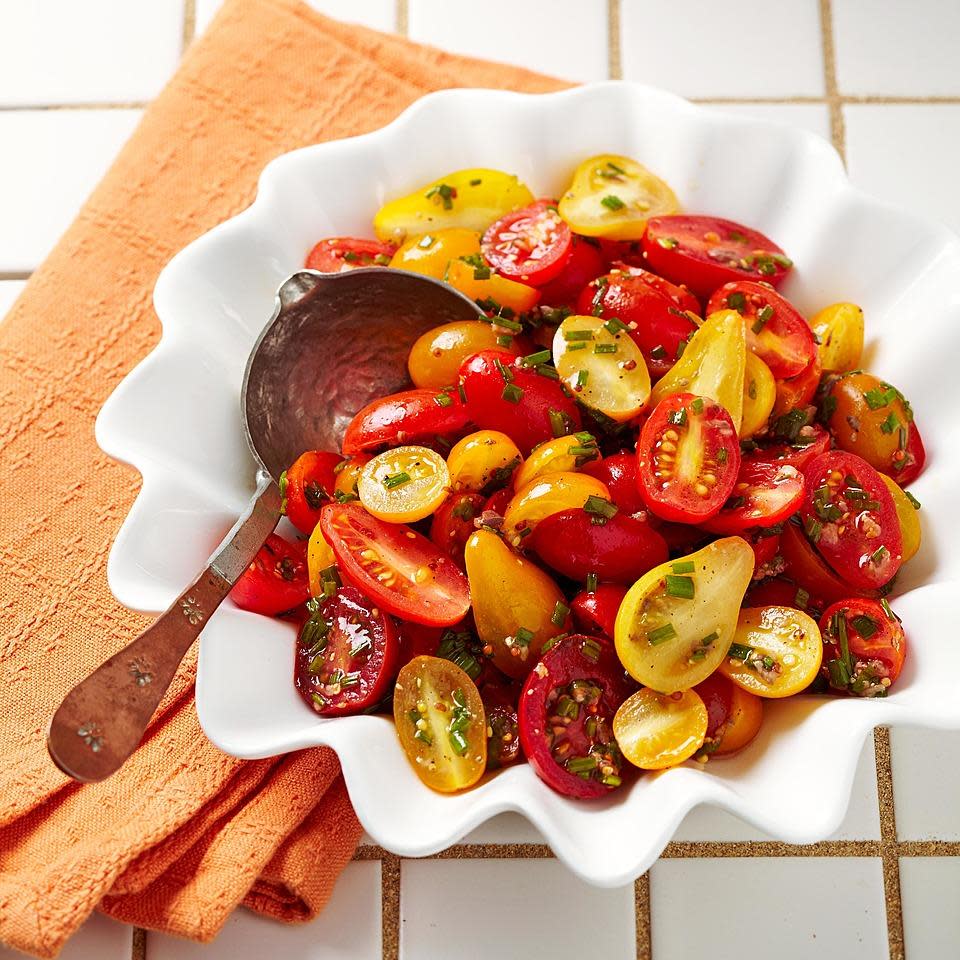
{"x": 183, "y": 833}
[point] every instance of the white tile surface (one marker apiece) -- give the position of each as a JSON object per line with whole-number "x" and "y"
{"x": 907, "y": 154}
{"x": 98, "y": 939}
{"x": 96, "y": 51}
{"x": 892, "y": 47}
{"x": 486, "y": 909}
{"x": 788, "y": 908}
{"x": 740, "y": 48}
{"x": 929, "y": 894}
{"x": 926, "y": 783}
{"x": 814, "y": 117}
{"x": 9, "y": 291}
{"x": 51, "y": 160}
{"x": 379, "y": 14}
{"x": 348, "y": 929}
{"x": 569, "y": 40}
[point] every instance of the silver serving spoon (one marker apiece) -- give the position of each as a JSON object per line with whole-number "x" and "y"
{"x": 335, "y": 342}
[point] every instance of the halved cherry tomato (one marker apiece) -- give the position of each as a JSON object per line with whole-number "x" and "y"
{"x": 531, "y": 245}
{"x": 839, "y": 330}
{"x": 276, "y": 580}
{"x": 619, "y": 473}
{"x": 307, "y": 485}
{"x": 483, "y": 462}
{"x": 547, "y": 495}
{"x": 563, "y": 455}
{"x": 472, "y": 277}
{"x": 759, "y": 396}
{"x": 707, "y": 252}
{"x": 504, "y": 394}
{"x": 435, "y": 357}
{"x": 864, "y": 647}
{"x": 441, "y": 723}
{"x": 914, "y": 461}
{"x": 661, "y": 317}
{"x": 432, "y": 253}
{"x": 906, "y": 507}
{"x": 687, "y": 458}
{"x": 583, "y": 264}
{"x": 320, "y": 557}
{"x": 764, "y": 494}
{"x": 810, "y": 441}
{"x": 849, "y": 515}
{"x": 595, "y": 611}
{"x": 776, "y": 331}
{"x": 566, "y": 717}
{"x": 452, "y": 523}
{"x": 503, "y": 725}
{"x": 655, "y": 730}
{"x": 336, "y": 254}
{"x": 348, "y": 476}
{"x": 618, "y": 548}
{"x": 796, "y": 392}
{"x": 398, "y": 568}
{"x": 406, "y": 417}
{"x": 404, "y": 484}
{"x": 733, "y": 716}
{"x": 347, "y": 654}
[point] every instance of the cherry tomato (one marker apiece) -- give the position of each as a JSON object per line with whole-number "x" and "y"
{"x": 656, "y": 730}
{"x": 453, "y": 524}
{"x": 404, "y": 484}
{"x": 839, "y": 330}
{"x": 707, "y": 252}
{"x": 398, "y": 568}
{"x": 307, "y": 486}
{"x": 619, "y": 473}
{"x": 759, "y": 396}
{"x": 687, "y": 458}
{"x": 432, "y": 253}
{"x": 733, "y": 716}
{"x": 498, "y": 502}
{"x": 660, "y": 316}
{"x": 435, "y": 357}
{"x": 810, "y": 441}
{"x": 472, "y": 277}
{"x": 779, "y": 592}
{"x": 796, "y": 392}
{"x": 619, "y": 548}
{"x": 347, "y": 654}
{"x": 531, "y": 245}
{"x": 566, "y": 717}
{"x": 764, "y": 494}
{"x": 906, "y": 507}
{"x": 407, "y": 417}
{"x": 320, "y": 557}
{"x": 503, "y": 725}
{"x": 563, "y": 455}
{"x": 915, "y": 459}
{"x": 348, "y": 476}
{"x": 336, "y": 254}
{"x": 419, "y": 640}
{"x": 864, "y": 647}
{"x": 765, "y": 546}
{"x": 595, "y": 611}
{"x": 547, "y": 495}
{"x": 849, "y": 515}
{"x": 276, "y": 580}
{"x": 441, "y": 723}
{"x": 503, "y": 394}
{"x": 483, "y": 462}
{"x": 776, "y": 331}
{"x": 584, "y": 263}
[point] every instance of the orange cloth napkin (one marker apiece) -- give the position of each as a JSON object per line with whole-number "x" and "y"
{"x": 183, "y": 834}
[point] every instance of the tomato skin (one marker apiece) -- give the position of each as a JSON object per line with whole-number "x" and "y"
{"x": 440, "y": 598}
{"x": 765, "y": 550}
{"x": 595, "y": 611}
{"x": 716, "y": 692}
{"x": 531, "y": 245}
{"x": 350, "y": 618}
{"x": 310, "y": 483}
{"x": 526, "y": 422}
{"x": 404, "y": 418}
{"x": 584, "y": 263}
{"x": 858, "y": 536}
{"x": 558, "y": 668}
{"x": 733, "y": 715}
{"x": 693, "y": 258}
{"x": 799, "y": 391}
{"x": 776, "y": 592}
{"x": 499, "y": 501}
{"x": 276, "y": 581}
{"x": 916, "y": 458}
{"x": 435, "y": 357}
{"x": 764, "y": 494}
{"x": 452, "y": 523}
{"x": 781, "y": 453}
{"x": 619, "y": 473}
{"x": 503, "y": 741}
{"x": 337, "y": 254}
{"x": 876, "y": 659}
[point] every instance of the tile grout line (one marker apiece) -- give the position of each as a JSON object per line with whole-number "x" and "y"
{"x": 189, "y": 24}
{"x": 403, "y": 17}
{"x": 837, "y": 131}
{"x": 889, "y": 848}
{"x": 641, "y": 912}
{"x": 614, "y": 62}
{"x": 390, "y": 907}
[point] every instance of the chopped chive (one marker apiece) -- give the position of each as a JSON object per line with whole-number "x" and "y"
{"x": 559, "y": 615}
{"x": 878, "y": 554}
{"x": 545, "y": 370}
{"x": 558, "y": 422}
{"x": 582, "y": 377}
{"x": 865, "y": 626}
{"x": 512, "y": 393}
{"x": 604, "y": 348}
{"x": 476, "y": 183}
{"x": 668, "y": 243}
{"x": 590, "y": 649}
{"x": 661, "y": 634}
{"x": 614, "y": 325}
{"x": 444, "y": 194}
{"x": 683, "y": 566}
{"x": 426, "y": 241}
{"x": 839, "y": 674}
{"x": 709, "y": 639}
{"x": 443, "y": 400}
{"x": 583, "y": 764}
{"x": 600, "y": 507}
{"x": 613, "y": 202}
{"x": 740, "y": 651}
{"x": 591, "y": 583}
{"x": 658, "y": 352}
{"x": 615, "y": 168}
{"x": 801, "y": 598}
{"x": 579, "y": 345}
{"x": 890, "y": 424}
{"x": 569, "y": 335}
{"x": 504, "y": 340}
{"x": 365, "y": 643}
{"x": 680, "y": 587}
{"x": 391, "y": 481}
{"x": 532, "y": 359}
{"x": 764, "y": 315}
{"x": 914, "y": 502}
{"x": 880, "y": 398}
{"x": 678, "y": 417}
{"x": 568, "y": 707}
{"x": 736, "y": 301}
{"x": 611, "y": 780}
{"x": 888, "y": 610}
{"x": 697, "y": 405}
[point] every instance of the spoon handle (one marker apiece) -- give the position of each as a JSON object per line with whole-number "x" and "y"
{"x": 102, "y": 719}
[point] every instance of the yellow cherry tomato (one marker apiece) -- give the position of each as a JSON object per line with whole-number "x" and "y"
{"x": 441, "y": 723}
{"x": 472, "y": 199}
{"x": 658, "y": 730}
{"x": 482, "y": 462}
{"x": 776, "y": 652}
{"x": 348, "y": 474}
{"x": 563, "y": 455}
{"x": 907, "y": 515}
{"x": 436, "y": 355}
{"x": 612, "y": 196}
{"x": 743, "y": 723}
{"x": 839, "y": 328}
{"x": 713, "y": 365}
{"x": 319, "y": 557}
{"x": 515, "y": 604}
{"x": 676, "y": 622}
{"x": 431, "y": 253}
{"x": 508, "y": 293}
{"x": 759, "y": 395}
{"x": 600, "y": 362}
{"x": 404, "y": 484}
{"x": 545, "y": 496}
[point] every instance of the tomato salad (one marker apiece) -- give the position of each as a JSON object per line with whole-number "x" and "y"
{"x": 640, "y": 495}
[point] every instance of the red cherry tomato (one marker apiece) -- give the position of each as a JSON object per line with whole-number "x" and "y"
{"x": 530, "y": 245}
{"x": 347, "y": 655}
{"x": 763, "y": 495}
{"x": 336, "y": 254}
{"x": 619, "y": 473}
{"x": 864, "y": 647}
{"x": 308, "y": 486}
{"x": 776, "y": 331}
{"x": 502, "y": 394}
{"x": 566, "y": 717}
{"x": 850, "y": 517}
{"x": 916, "y": 458}
{"x": 707, "y": 252}
{"x": 621, "y": 549}
{"x": 499, "y": 501}
{"x": 405, "y": 418}
{"x": 418, "y": 640}
{"x": 398, "y": 568}
{"x": 503, "y": 726}
{"x": 797, "y": 392}
{"x": 716, "y": 692}
{"x": 812, "y": 440}
{"x": 453, "y": 523}
{"x": 595, "y": 611}
{"x": 584, "y": 264}
{"x": 277, "y": 579}
{"x": 778, "y": 592}
{"x": 688, "y": 456}
{"x": 765, "y": 549}
{"x": 653, "y": 309}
